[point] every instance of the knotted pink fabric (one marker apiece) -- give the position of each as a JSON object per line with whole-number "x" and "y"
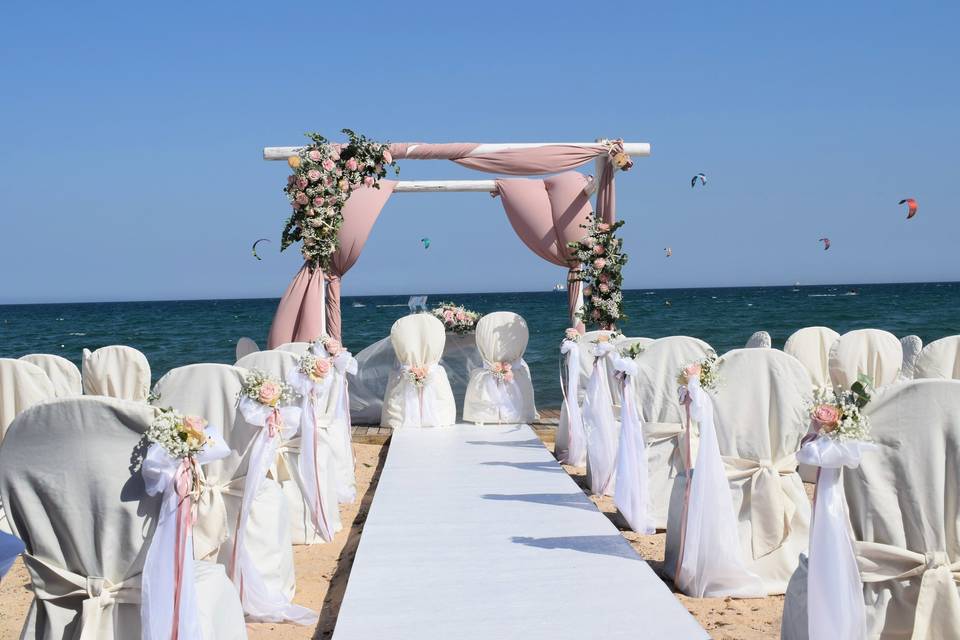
{"x": 299, "y": 316}
{"x": 547, "y": 214}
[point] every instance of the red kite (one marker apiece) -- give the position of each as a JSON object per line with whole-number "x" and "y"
{"x": 911, "y": 207}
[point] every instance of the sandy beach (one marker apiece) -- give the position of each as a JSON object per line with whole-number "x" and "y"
{"x": 323, "y": 570}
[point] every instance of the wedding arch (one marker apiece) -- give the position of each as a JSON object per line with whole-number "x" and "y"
{"x": 547, "y": 213}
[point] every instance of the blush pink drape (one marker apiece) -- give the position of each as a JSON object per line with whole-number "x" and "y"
{"x": 299, "y": 316}
{"x": 547, "y": 214}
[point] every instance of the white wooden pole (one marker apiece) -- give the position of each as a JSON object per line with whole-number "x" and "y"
{"x": 454, "y": 186}
{"x": 631, "y": 148}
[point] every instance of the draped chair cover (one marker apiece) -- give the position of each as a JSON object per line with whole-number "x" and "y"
{"x": 116, "y": 371}
{"x": 905, "y": 518}
{"x": 759, "y": 340}
{"x": 811, "y": 346}
{"x": 296, "y": 348}
{"x": 277, "y": 364}
{"x": 66, "y": 478}
{"x": 245, "y": 346}
{"x": 63, "y": 374}
{"x": 873, "y": 352}
{"x": 655, "y": 387}
{"x": 761, "y": 409}
{"x": 334, "y": 409}
{"x": 912, "y": 346}
{"x": 211, "y": 391}
{"x": 418, "y": 341}
{"x": 501, "y": 338}
{"x": 939, "y": 359}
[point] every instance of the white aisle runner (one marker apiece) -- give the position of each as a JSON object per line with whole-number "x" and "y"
{"x": 477, "y": 533}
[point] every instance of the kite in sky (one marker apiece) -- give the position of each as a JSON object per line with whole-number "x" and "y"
{"x": 668, "y": 251}
{"x": 426, "y": 242}
{"x": 701, "y": 177}
{"x": 254, "y": 247}
{"x": 911, "y": 207}
{"x": 826, "y": 243}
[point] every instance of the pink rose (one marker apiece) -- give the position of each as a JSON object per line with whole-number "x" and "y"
{"x": 334, "y": 155}
{"x": 333, "y": 347}
{"x": 508, "y": 376}
{"x": 302, "y": 198}
{"x": 317, "y": 201}
{"x": 368, "y": 181}
{"x": 387, "y": 156}
{"x": 328, "y": 165}
{"x": 598, "y": 249}
{"x": 693, "y": 370}
{"x": 507, "y": 366}
{"x": 588, "y": 242}
{"x": 314, "y": 155}
{"x": 604, "y": 288}
{"x": 599, "y": 263}
{"x": 828, "y": 416}
{"x": 461, "y": 316}
{"x": 302, "y": 182}
{"x": 603, "y": 226}
{"x": 498, "y": 367}
{"x": 313, "y": 175}
{"x": 269, "y": 393}
{"x": 448, "y": 315}
{"x": 321, "y": 368}
{"x": 352, "y": 164}
{"x": 604, "y": 277}
{"x": 331, "y": 200}
{"x": 194, "y": 423}
{"x": 328, "y": 181}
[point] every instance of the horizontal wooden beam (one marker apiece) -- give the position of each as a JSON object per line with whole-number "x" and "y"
{"x": 456, "y": 186}
{"x": 632, "y": 148}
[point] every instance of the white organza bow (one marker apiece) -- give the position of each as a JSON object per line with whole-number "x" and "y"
{"x": 418, "y": 399}
{"x": 169, "y": 598}
{"x": 506, "y": 394}
{"x": 632, "y": 491}
{"x": 835, "y": 606}
{"x": 576, "y": 453}
{"x": 600, "y": 423}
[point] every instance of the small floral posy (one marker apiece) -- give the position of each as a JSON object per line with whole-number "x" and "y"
{"x": 417, "y": 375}
{"x": 330, "y": 345}
{"x": 181, "y": 436}
{"x": 600, "y": 258}
{"x": 706, "y": 369}
{"x": 314, "y": 367}
{"x": 456, "y": 318}
{"x": 261, "y": 388}
{"x": 837, "y": 414}
{"x": 631, "y": 351}
{"x": 572, "y": 335}
{"x": 502, "y": 371}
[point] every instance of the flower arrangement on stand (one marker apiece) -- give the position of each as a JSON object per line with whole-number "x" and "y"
{"x": 323, "y": 176}
{"x": 600, "y": 256}
{"x": 456, "y": 318}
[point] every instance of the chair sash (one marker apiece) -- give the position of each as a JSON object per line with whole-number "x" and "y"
{"x": 506, "y": 394}
{"x": 418, "y": 400}
{"x": 576, "y": 452}
{"x": 938, "y": 605}
{"x": 632, "y": 491}
{"x": 95, "y": 595}
{"x": 771, "y": 509}
{"x": 211, "y": 528}
{"x": 600, "y": 424}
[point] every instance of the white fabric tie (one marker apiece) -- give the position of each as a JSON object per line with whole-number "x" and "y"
{"x": 600, "y": 423}
{"x": 632, "y": 491}
{"x": 576, "y": 453}
{"x": 97, "y": 595}
{"x": 506, "y": 394}
{"x": 418, "y": 400}
{"x": 771, "y": 509}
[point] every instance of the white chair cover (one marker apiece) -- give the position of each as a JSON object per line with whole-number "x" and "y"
{"x": 65, "y": 474}
{"x": 761, "y": 412}
{"x": 600, "y": 424}
{"x": 904, "y": 517}
{"x": 912, "y": 346}
{"x": 759, "y": 340}
{"x": 279, "y": 364}
{"x": 655, "y": 386}
{"x": 246, "y": 346}
{"x": 296, "y": 348}
{"x": 62, "y": 373}
{"x": 811, "y": 346}
{"x": 418, "y": 341}
{"x": 501, "y": 337}
{"x": 117, "y": 371}
{"x": 873, "y": 352}
{"x": 211, "y": 391}
{"x": 939, "y": 359}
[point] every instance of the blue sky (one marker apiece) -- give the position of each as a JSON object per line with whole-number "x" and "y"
{"x": 131, "y": 136}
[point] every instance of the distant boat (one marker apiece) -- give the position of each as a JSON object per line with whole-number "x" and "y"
{"x": 357, "y": 304}
{"x": 560, "y": 288}
{"x": 795, "y": 285}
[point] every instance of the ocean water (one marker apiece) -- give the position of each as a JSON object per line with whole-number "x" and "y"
{"x": 175, "y": 333}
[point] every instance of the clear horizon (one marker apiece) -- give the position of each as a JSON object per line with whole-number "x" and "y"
{"x": 131, "y": 167}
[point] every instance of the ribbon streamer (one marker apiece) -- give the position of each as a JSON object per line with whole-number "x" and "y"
{"x": 576, "y": 453}
{"x": 632, "y": 491}
{"x": 600, "y": 424}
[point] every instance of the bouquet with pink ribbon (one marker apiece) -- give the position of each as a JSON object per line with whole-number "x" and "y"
{"x": 172, "y": 467}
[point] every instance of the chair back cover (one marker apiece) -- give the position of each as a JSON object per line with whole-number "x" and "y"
{"x": 655, "y": 387}
{"x": 811, "y": 346}
{"x": 116, "y": 371}
{"x": 246, "y": 346}
{"x": 296, "y": 348}
{"x": 903, "y": 504}
{"x": 761, "y": 409}
{"x": 501, "y": 336}
{"x": 626, "y": 342}
{"x": 872, "y": 352}
{"x": 71, "y": 496}
{"x": 939, "y": 359}
{"x": 273, "y": 362}
{"x": 62, "y": 373}
{"x": 912, "y": 346}
{"x": 759, "y": 340}
{"x": 418, "y": 341}
{"x": 22, "y": 385}
{"x": 586, "y": 355}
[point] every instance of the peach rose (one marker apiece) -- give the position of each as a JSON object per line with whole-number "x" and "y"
{"x": 269, "y": 393}
{"x": 333, "y": 347}
{"x": 193, "y": 426}
{"x": 599, "y": 263}
{"x": 693, "y": 370}
{"x": 321, "y": 368}
{"x": 604, "y": 288}
{"x": 368, "y": 181}
{"x": 343, "y": 185}
{"x": 497, "y": 367}
{"x": 598, "y": 249}
{"x": 603, "y": 226}
{"x": 827, "y": 415}
{"x": 294, "y": 162}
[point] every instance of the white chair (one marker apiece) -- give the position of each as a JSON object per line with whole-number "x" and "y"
{"x": 912, "y": 346}
{"x": 277, "y": 364}
{"x": 902, "y": 503}
{"x": 761, "y": 413}
{"x": 501, "y": 339}
{"x": 759, "y": 340}
{"x": 296, "y": 348}
{"x": 655, "y": 387}
{"x": 246, "y": 346}
{"x": 811, "y": 346}
{"x": 418, "y": 342}
{"x": 116, "y": 371}
{"x": 939, "y": 359}
{"x": 65, "y": 476}
{"x": 871, "y": 352}
{"x": 211, "y": 391}
{"x": 62, "y": 373}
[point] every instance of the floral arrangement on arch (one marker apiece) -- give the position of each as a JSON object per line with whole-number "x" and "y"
{"x": 323, "y": 176}
{"x": 456, "y": 318}
{"x": 836, "y": 413}
{"x": 601, "y": 259}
